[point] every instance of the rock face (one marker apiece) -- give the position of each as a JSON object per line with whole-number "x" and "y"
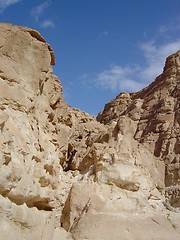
{"x": 65, "y": 175}
{"x": 156, "y": 110}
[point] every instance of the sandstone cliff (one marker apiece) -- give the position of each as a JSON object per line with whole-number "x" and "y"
{"x": 156, "y": 111}
{"x": 63, "y": 174}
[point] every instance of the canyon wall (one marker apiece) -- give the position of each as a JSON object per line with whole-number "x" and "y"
{"x": 66, "y": 175}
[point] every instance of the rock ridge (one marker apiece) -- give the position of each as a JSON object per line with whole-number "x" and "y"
{"x": 156, "y": 110}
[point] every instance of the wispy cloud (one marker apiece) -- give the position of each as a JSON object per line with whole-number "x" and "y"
{"x": 47, "y": 24}
{"x": 155, "y": 58}
{"x": 6, "y": 3}
{"x": 172, "y": 26}
{"x": 38, "y": 12}
{"x": 134, "y": 77}
{"x": 118, "y": 77}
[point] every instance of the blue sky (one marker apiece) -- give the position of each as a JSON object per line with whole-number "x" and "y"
{"x": 102, "y": 47}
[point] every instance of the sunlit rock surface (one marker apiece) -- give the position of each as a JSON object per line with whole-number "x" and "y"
{"x": 65, "y": 175}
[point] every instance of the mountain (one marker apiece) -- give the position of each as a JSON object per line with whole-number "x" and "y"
{"x": 64, "y": 174}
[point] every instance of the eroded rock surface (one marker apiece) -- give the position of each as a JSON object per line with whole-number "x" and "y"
{"x": 63, "y": 174}
{"x": 156, "y": 110}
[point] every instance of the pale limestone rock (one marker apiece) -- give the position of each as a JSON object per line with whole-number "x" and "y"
{"x": 63, "y": 175}
{"x": 102, "y": 212}
{"x": 30, "y": 171}
{"x": 156, "y": 111}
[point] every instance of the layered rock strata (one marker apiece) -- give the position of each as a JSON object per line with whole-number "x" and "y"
{"x": 156, "y": 110}
{"x": 64, "y": 175}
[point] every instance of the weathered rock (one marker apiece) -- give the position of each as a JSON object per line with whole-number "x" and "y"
{"x": 156, "y": 110}
{"x": 39, "y": 131}
{"x": 64, "y": 175}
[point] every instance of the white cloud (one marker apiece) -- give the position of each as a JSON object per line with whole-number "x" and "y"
{"x": 172, "y": 26}
{"x": 132, "y": 78}
{"x": 39, "y": 10}
{"x": 118, "y": 77}
{"x": 155, "y": 57}
{"x": 6, "y": 3}
{"x": 47, "y": 24}
{"x": 37, "y": 13}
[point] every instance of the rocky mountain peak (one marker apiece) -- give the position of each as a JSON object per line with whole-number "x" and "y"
{"x": 173, "y": 61}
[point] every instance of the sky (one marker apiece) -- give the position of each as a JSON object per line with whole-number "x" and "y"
{"x": 102, "y": 47}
